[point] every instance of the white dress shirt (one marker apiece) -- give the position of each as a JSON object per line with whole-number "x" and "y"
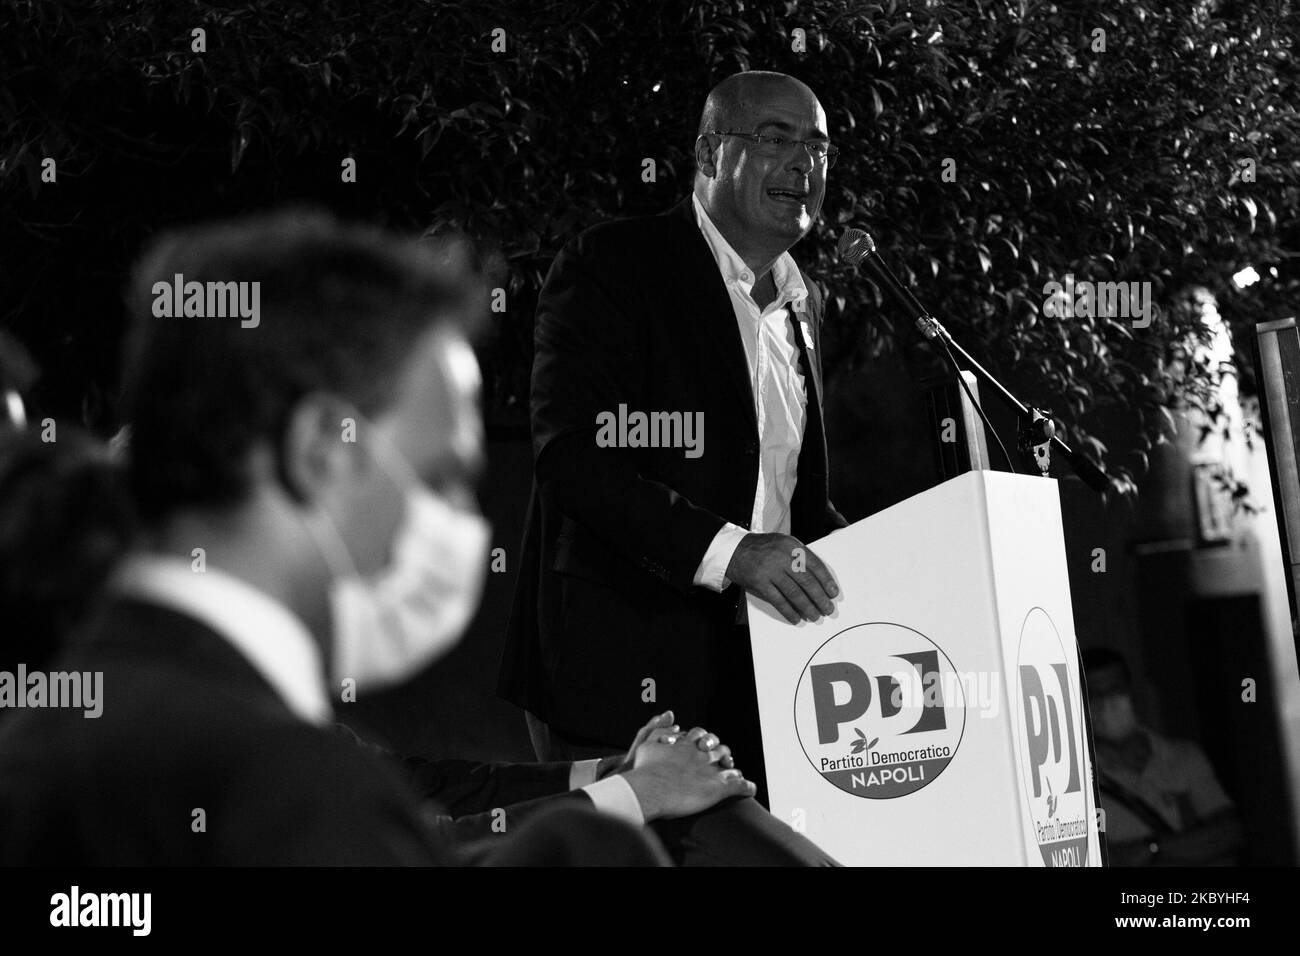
{"x": 268, "y": 635}
{"x": 780, "y": 402}
{"x": 278, "y": 645}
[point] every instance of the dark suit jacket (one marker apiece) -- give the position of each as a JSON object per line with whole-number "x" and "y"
{"x": 467, "y": 800}
{"x": 635, "y": 312}
{"x": 189, "y": 724}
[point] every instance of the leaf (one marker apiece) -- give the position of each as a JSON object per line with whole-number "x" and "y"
{"x": 859, "y": 733}
{"x": 238, "y": 146}
{"x": 874, "y": 741}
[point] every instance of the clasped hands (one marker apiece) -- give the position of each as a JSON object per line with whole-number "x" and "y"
{"x": 675, "y": 773}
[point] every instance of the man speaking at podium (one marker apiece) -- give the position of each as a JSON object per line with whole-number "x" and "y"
{"x": 678, "y": 441}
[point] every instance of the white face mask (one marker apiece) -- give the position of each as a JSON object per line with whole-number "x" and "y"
{"x": 390, "y": 625}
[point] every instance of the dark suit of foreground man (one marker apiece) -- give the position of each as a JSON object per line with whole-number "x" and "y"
{"x": 308, "y": 537}
{"x": 198, "y": 760}
{"x": 625, "y": 597}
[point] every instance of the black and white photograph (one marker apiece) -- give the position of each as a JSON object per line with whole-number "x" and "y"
{"x": 699, "y": 434}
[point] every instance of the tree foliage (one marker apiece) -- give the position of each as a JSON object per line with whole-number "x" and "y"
{"x": 1115, "y": 164}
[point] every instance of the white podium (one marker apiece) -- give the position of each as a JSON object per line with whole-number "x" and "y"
{"x": 936, "y": 717}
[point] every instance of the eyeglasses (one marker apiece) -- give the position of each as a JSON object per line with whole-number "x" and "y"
{"x": 777, "y": 145}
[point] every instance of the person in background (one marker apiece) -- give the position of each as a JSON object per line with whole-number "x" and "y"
{"x": 1163, "y": 804}
{"x": 65, "y": 519}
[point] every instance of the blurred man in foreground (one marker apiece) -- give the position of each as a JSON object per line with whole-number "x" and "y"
{"x": 304, "y": 483}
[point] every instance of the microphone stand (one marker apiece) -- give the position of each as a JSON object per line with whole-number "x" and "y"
{"x": 1037, "y": 434}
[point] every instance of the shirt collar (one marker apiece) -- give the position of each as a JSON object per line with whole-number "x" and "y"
{"x": 790, "y": 286}
{"x": 272, "y": 638}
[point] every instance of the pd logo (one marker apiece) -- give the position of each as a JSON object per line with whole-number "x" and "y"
{"x": 879, "y": 711}
{"x": 1051, "y": 744}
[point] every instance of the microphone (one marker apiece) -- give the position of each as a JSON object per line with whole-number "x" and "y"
{"x": 857, "y": 248}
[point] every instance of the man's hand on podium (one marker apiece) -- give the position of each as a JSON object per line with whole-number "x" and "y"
{"x": 783, "y": 572}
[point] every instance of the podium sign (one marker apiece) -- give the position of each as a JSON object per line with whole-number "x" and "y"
{"x": 936, "y": 717}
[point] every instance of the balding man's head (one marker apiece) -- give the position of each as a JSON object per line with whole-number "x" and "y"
{"x": 734, "y": 103}
{"x": 762, "y": 194}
